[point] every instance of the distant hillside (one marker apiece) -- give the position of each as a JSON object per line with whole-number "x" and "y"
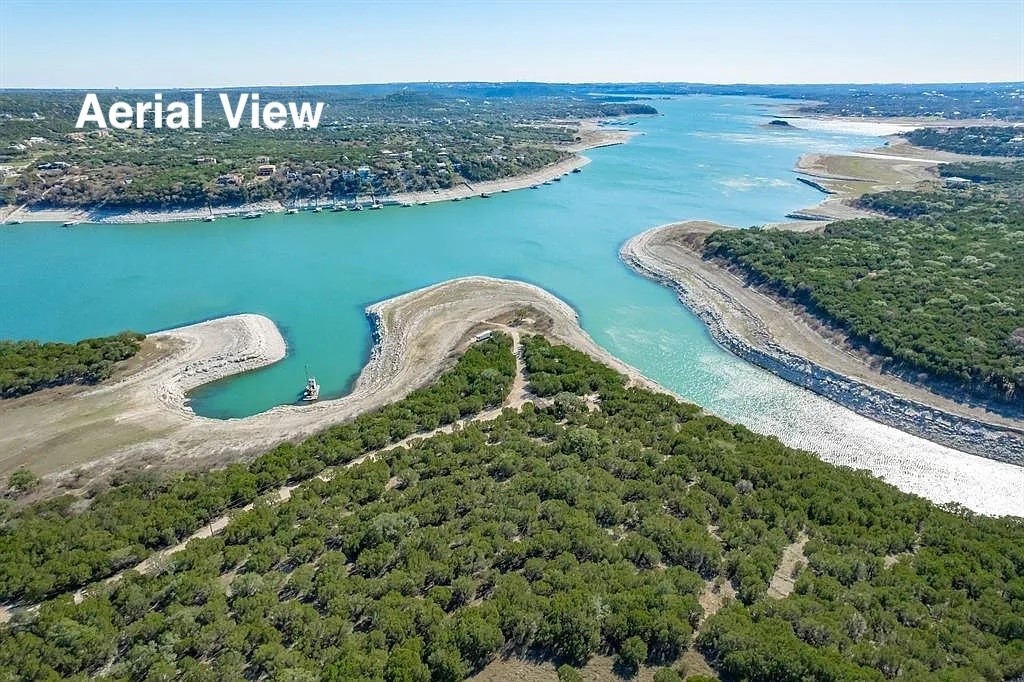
{"x": 972, "y": 140}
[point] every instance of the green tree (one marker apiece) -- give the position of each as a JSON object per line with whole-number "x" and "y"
{"x": 22, "y": 480}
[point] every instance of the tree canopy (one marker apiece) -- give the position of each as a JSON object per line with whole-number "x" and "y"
{"x": 547, "y": 532}
{"x": 27, "y": 366}
{"x": 940, "y": 290}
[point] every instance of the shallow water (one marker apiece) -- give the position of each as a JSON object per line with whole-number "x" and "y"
{"x": 706, "y": 157}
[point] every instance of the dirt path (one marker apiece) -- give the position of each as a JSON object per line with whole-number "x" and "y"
{"x": 782, "y": 582}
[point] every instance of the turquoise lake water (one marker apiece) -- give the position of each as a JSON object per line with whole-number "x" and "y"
{"x": 705, "y": 157}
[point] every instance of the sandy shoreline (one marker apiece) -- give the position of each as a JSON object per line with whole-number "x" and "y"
{"x": 142, "y": 420}
{"x": 591, "y": 136}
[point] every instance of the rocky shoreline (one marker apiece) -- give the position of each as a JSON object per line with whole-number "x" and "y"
{"x": 1004, "y": 444}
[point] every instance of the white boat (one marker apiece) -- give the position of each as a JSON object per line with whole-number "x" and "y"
{"x": 209, "y": 219}
{"x": 252, "y": 215}
{"x": 376, "y": 206}
{"x": 71, "y": 223}
{"x": 312, "y": 390}
{"x": 292, "y": 211}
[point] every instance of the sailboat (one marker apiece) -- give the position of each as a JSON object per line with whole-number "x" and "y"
{"x": 312, "y": 390}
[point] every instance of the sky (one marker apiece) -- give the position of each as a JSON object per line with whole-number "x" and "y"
{"x": 221, "y": 43}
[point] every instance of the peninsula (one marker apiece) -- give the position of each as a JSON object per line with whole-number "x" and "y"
{"x": 790, "y": 330}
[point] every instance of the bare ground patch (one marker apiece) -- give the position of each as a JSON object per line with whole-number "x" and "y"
{"x": 782, "y": 581}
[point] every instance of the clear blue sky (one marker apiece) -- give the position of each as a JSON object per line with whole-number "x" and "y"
{"x": 211, "y": 43}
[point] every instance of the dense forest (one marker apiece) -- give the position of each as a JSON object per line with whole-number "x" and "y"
{"x": 366, "y": 143}
{"x": 592, "y": 524}
{"x": 27, "y": 366}
{"x": 974, "y": 140}
{"x": 938, "y": 291}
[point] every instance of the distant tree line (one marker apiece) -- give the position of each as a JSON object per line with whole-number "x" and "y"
{"x": 972, "y": 140}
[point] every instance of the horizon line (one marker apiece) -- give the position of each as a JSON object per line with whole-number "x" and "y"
{"x": 510, "y": 82}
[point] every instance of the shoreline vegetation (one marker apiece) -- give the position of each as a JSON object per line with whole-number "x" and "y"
{"x": 589, "y": 132}
{"x": 371, "y": 145}
{"x": 760, "y": 330}
{"x": 30, "y": 366}
{"x": 770, "y": 333}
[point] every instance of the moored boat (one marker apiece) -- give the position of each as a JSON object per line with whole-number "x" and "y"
{"x": 312, "y": 390}
{"x": 252, "y": 215}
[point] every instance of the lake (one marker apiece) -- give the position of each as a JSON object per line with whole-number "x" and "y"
{"x": 705, "y": 157}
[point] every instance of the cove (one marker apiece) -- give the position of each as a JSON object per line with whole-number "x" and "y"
{"x": 706, "y": 157}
